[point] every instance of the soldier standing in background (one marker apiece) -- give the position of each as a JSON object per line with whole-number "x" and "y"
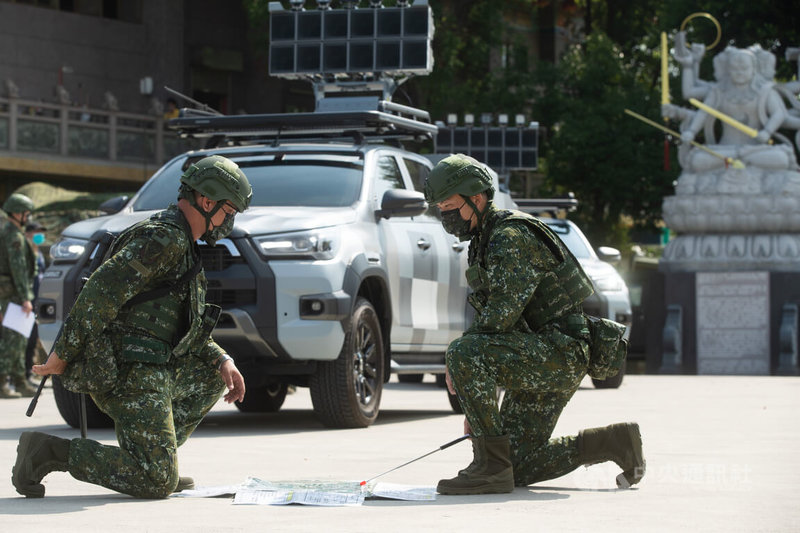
{"x": 35, "y": 352}
{"x": 17, "y": 269}
{"x": 529, "y": 336}
{"x": 138, "y": 338}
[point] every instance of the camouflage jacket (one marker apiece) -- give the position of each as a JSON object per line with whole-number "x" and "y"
{"x": 508, "y": 262}
{"x": 147, "y": 256}
{"x": 17, "y": 264}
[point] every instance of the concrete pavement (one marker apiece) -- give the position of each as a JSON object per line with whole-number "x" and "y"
{"x": 722, "y": 455}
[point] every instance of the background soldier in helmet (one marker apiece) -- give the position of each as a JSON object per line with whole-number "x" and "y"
{"x": 139, "y": 334}
{"x": 17, "y": 269}
{"x": 529, "y": 336}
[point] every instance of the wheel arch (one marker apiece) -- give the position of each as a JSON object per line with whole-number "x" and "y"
{"x": 371, "y": 282}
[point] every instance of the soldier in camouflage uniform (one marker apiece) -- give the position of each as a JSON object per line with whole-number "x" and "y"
{"x": 17, "y": 270}
{"x": 529, "y": 336}
{"x": 155, "y": 369}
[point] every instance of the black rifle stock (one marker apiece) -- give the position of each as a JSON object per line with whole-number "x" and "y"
{"x": 104, "y": 243}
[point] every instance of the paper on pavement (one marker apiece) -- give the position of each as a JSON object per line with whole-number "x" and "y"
{"x": 256, "y": 491}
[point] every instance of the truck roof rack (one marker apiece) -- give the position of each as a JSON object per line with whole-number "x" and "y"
{"x": 362, "y": 118}
{"x": 547, "y": 205}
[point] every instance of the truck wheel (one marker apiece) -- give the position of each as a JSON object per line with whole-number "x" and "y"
{"x": 346, "y": 392}
{"x": 610, "y": 383}
{"x": 410, "y": 378}
{"x": 69, "y": 406}
{"x": 266, "y": 399}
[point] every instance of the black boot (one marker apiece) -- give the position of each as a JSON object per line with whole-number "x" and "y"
{"x": 489, "y": 473}
{"x": 38, "y": 454}
{"x": 621, "y": 443}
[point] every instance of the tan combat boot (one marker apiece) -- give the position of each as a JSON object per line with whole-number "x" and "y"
{"x": 5, "y": 390}
{"x": 489, "y": 473}
{"x": 621, "y": 443}
{"x": 22, "y": 386}
{"x": 184, "y": 483}
{"x": 38, "y": 454}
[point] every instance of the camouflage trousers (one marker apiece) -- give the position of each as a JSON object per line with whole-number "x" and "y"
{"x": 12, "y": 349}
{"x": 155, "y": 408}
{"x": 539, "y": 373}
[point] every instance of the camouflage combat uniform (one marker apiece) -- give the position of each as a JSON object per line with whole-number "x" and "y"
{"x": 529, "y": 337}
{"x": 166, "y": 381}
{"x": 17, "y": 270}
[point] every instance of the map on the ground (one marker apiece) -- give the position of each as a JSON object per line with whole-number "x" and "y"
{"x": 256, "y": 491}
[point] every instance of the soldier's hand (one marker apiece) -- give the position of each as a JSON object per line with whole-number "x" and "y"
{"x": 27, "y": 306}
{"x": 53, "y": 365}
{"x": 467, "y": 427}
{"x": 233, "y": 380}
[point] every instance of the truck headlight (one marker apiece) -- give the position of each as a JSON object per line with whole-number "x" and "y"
{"x": 609, "y": 283}
{"x": 68, "y": 249}
{"x": 303, "y": 245}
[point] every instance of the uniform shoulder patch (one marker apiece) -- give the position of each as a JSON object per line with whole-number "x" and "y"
{"x": 158, "y": 241}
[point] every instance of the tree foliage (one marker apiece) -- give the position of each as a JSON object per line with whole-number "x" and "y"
{"x": 610, "y": 161}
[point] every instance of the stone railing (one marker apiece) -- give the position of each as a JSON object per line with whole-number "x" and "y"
{"x": 29, "y": 128}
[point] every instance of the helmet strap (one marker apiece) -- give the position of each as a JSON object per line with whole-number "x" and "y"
{"x": 20, "y": 221}
{"x": 478, "y": 213}
{"x": 207, "y": 215}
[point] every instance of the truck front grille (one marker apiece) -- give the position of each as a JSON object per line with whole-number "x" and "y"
{"x": 217, "y": 258}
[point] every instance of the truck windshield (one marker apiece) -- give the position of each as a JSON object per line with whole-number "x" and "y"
{"x": 571, "y": 238}
{"x": 285, "y": 182}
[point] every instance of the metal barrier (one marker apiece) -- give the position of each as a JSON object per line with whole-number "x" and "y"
{"x": 31, "y": 127}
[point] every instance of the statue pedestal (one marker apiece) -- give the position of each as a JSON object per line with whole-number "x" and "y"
{"x": 731, "y": 323}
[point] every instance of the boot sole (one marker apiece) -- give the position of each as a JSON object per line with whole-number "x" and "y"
{"x": 28, "y": 490}
{"x": 497, "y": 488}
{"x": 631, "y": 477}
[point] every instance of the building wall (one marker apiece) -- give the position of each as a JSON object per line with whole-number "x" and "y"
{"x": 99, "y": 54}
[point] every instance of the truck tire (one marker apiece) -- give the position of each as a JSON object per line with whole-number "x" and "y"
{"x": 346, "y": 392}
{"x": 612, "y": 382}
{"x": 69, "y": 406}
{"x": 266, "y": 399}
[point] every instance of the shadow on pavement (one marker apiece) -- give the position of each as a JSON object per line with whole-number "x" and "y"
{"x": 63, "y": 504}
{"x": 519, "y": 494}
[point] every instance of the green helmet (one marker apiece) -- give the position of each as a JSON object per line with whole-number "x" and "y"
{"x": 218, "y": 178}
{"x": 457, "y": 174}
{"x": 17, "y": 203}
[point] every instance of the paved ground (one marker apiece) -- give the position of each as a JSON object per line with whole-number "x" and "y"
{"x": 722, "y": 455}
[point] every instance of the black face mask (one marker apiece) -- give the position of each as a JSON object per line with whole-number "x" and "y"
{"x": 454, "y": 224}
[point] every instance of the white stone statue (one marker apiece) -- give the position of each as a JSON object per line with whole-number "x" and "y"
{"x": 744, "y": 93}
{"x": 739, "y": 206}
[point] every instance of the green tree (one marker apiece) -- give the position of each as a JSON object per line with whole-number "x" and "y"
{"x": 611, "y": 162}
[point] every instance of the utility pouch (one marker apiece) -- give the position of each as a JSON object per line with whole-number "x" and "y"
{"x": 608, "y": 349}
{"x": 96, "y": 371}
{"x": 143, "y": 349}
{"x": 200, "y": 330}
{"x": 477, "y": 278}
